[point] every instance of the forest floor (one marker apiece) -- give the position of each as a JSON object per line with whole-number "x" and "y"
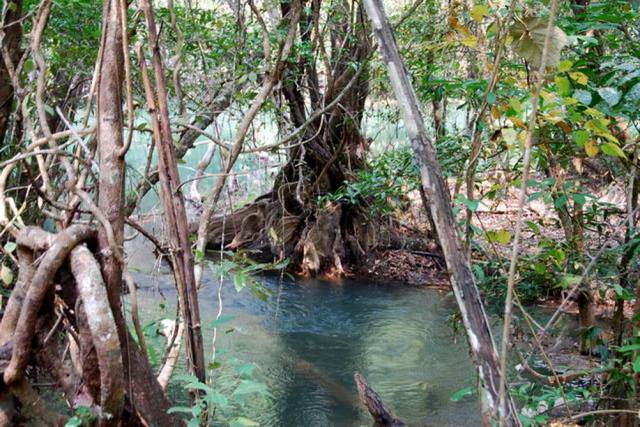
{"x": 422, "y": 263}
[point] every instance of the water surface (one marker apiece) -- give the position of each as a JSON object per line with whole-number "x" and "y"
{"x": 309, "y": 337}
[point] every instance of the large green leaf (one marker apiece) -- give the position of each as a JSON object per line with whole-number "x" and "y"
{"x": 610, "y": 95}
{"x": 528, "y": 40}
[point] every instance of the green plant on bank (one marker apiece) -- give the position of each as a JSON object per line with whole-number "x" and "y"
{"x": 237, "y": 389}
{"x": 383, "y": 187}
{"x": 538, "y": 400}
{"x": 82, "y": 416}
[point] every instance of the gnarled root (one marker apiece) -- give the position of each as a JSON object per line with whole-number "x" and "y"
{"x": 40, "y": 284}
{"x": 92, "y": 291}
{"x": 89, "y": 330}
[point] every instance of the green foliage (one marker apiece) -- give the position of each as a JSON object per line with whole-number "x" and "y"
{"x": 529, "y": 34}
{"x": 382, "y": 188}
{"x": 236, "y": 388}
{"x": 82, "y": 417}
{"x": 242, "y": 268}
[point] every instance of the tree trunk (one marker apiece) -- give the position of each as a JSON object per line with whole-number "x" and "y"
{"x": 289, "y": 221}
{"x": 173, "y": 205}
{"x": 145, "y": 395}
{"x": 12, "y": 37}
{"x": 471, "y": 307}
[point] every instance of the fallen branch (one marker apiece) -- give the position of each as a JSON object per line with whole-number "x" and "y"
{"x": 382, "y": 416}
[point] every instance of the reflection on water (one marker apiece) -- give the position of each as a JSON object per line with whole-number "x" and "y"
{"x": 310, "y": 337}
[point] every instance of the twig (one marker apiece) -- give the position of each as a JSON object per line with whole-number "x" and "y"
{"x": 521, "y": 203}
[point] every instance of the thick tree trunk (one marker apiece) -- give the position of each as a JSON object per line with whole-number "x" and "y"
{"x": 470, "y": 303}
{"x": 111, "y": 184}
{"x": 288, "y": 221}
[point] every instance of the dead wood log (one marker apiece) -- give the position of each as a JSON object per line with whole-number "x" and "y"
{"x": 51, "y": 261}
{"x": 382, "y": 416}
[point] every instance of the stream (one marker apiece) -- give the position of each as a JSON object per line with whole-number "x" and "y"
{"x": 307, "y": 338}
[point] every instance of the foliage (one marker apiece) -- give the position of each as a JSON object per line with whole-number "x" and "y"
{"x": 382, "y": 188}
{"x": 236, "y": 386}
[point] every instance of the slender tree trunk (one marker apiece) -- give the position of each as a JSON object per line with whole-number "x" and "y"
{"x": 12, "y": 37}
{"x": 173, "y": 204}
{"x": 111, "y": 163}
{"x": 145, "y": 396}
{"x": 467, "y": 294}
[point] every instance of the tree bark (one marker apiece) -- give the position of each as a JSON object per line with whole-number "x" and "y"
{"x": 173, "y": 204}
{"x": 145, "y": 396}
{"x": 12, "y": 38}
{"x": 467, "y": 294}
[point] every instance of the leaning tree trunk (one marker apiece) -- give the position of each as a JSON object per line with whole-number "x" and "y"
{"x": 494, "y": 408}
{"x": 289, "y": 221}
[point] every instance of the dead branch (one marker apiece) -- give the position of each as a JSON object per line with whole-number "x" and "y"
{"x": 382, "y": 416}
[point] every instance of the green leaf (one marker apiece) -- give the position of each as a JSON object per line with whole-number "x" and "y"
{"x": 634, "y": 93}
{"x": 564, "y": 66}
{"x": 636, "y": 365}
{"x": 6, "y": 275}
{"x": 610, "y": 95}
{"x": 629, "y": 348}
{"x": 611, "y": 149}
{"x": 501, "y": 237}
{"x": 73, "y": 422}
{"x": 246, "y": 369}
{"x": 528, "y": 40}
{"x": 582, "y": 96}
{"x": 581, "y": 137}
{"x": 579, "y": 77}
{"x": 564, "y": 85}
{"x": 479, "y": 12}
{"x": 218, "y": 399}
{"x": 460, "y": 394}
{"x": 240, "y": 280}
{"x": 579, "y": 199}
{"x": 533, "y": 226}
{"x": 569, "y": 280}
{"x": 9, "y": 247}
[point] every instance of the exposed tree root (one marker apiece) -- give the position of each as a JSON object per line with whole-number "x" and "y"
{"x": 103, "y": 329}
{"x": 71, "y": 336}
{"x": 40, "y": 284}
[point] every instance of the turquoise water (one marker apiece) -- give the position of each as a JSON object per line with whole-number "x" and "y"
{"x": 309, "y": 337}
